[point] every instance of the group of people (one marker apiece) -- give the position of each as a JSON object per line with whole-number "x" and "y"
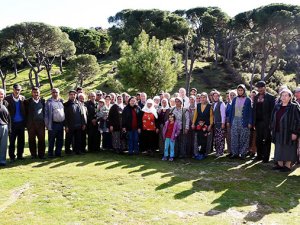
{"x": 180, "y": 126}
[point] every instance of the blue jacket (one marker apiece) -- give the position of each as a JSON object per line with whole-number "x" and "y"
{"x": 247, "y": 113}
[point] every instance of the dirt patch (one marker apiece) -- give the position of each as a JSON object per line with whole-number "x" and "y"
{"x": 15, "y": 195}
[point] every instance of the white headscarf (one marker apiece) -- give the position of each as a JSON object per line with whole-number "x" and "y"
{"x": 167, "y": 106}
{"x": 151, "y": 109}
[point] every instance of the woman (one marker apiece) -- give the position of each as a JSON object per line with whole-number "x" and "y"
{"x": 240, "y": 121}
{"x": 150, "y": 127}
{"x": 4, "y": 127}
{"x": 163, "y": 115}
{"x": 191, "y": 136}
{"x": 285, "y": 126}
{"x": 202, "y": 124}
{"x": 172, "y": 103}
{"x": 232, "y": 95}
{"x": 252, "y": 144}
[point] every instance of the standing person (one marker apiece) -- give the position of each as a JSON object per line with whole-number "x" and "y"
{"x": 131, "y": 125}
{"x": 191, "y": 136}
{"x": 81, "y": 99}
{"x": 172, "y": 103}
{"x": 4, "y": 127}
{"x": 193, "y": 91}
{"x": 185, "y": 99}
{"x": 99, "y": 95}
{"x": 115, "y": 125}
{"x": 252, "y": 145}
{"x": 171, "y": 130}
{"x": 143, "y": 99}
{"x": 232, "y": 95}
{"x": 241, "y": 121}
{"x": 107, "y": 137}
{"x": 285, "y": 126}
{"x": 150, "y": 127}
{"x": 263, "y": 106}
{"x": 92, "y": 125}
{"x": 202, "y": 124}
{"x": 35, "y": 114}
{"x": 74, "y": 124}
{"x": 16, "y": 110}
{"x": 54, "y": 122}
{"x": 219, "y": 123}
{"x": 182, "y": 117}
{"x": 297, "y": 95}
{"x": 163, "y": 115}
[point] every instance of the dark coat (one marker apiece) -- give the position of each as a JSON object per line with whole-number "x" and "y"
{"x": 29, "y": 110}
{"x": 4, "y": 114}
{"x": 289, "y": 123}
{"x": 69, "y": 120}
{"x": 91, "y": 111}
{"x": 115, "y": 117}
{"x": 127, "y": 117}
{"x": 268, "y": 106}
{"x": 12, "y": 107}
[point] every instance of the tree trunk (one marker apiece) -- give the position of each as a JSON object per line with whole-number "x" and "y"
{"x": 3, "y": 80}
{"x": 50, "y": 78}
{"x": 30, "y": 78}
{"x": 187, "y": 74}
{"x": 216, "y": 52}
{"x": 208, "y": 47}
{"x": 15, "y": 70}
{"x": 61, "y": 64}
{"x": 252, "y": 75}
{"x": 36, "y": 78}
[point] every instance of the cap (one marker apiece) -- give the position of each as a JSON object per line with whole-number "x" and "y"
{"x": 72, "y": 91}
{"x": 260, "y": 83}
{"x": 17, "y": 86}
{"x": 98, "y": 92}
{"x": 193, "y": 89}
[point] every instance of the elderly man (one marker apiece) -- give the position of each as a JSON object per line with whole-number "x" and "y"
{"x": 54, "y": 121}
{"x": 183, "y": 118}
{"x": 35, "y": 110}
{"x": 4, "y": 127}
{"x": 16, "y": 110}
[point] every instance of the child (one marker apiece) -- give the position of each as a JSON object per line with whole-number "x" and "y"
{"x": 102, "y": 114}
{"x": 171, "y": 130}
{"x": 202, "y": 130}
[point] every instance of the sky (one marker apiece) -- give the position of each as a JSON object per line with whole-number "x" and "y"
{"x": 94, "y": 13}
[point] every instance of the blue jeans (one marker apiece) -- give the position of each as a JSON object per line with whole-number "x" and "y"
{"x": 133, "y": 139}
{"x": 169, "y": 142}
{"x": 3, "y": 143}
{"x": 56, "y": 136}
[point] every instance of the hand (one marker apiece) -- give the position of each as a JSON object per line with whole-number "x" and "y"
{"x": 67, "y": 130}
{"x": 223, "y": 126}
{"x": 83, "y": 127}
{"x": 249, "y": 126}
{"x": 186, "y": 131}
{"x": 193, "y": 126}
{"x": 111, "y": 128}
{"x": 124, "y": 129}
{"x": 294, "y": 137}
{"x": 139, "y": 130}
{"x": 157, "y": 131}
{"x": 228, "y": 125}
{"x": 209, "y": 128}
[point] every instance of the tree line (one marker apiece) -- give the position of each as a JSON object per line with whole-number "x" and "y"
{"x": 260, "y": 41}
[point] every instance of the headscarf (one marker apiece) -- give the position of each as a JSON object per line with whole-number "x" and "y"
{"x": 167, "y": 105}
{"x": 151, "y": 109}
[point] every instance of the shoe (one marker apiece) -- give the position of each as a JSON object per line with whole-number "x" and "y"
{"x": 229, "y": 155}
{"x": 199, "y": 157}
{"x": 265, "y": 161}
{"x": 252, "y": 155}
{"x": 285, "y": 169}
{"x": 164, "y": 158}
{"x": 233, "y": 156}
{"x": 277, "y": 167}
{"x": 171, "y": 159}
{"x": 242, "y": 157}
{"x": 257, "y": 158}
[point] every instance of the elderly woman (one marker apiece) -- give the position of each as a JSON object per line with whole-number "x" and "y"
{"x": 150, "y": 127}
{"x": 163, "y": 115}
{"x": 202, "y": 124}
{"x": 241, "y": 121}
{"x": 191, "y": 136}
{"x": 4, "y": 127}
{"x": 285, "y": 126}
{"x": 232, "y": 95}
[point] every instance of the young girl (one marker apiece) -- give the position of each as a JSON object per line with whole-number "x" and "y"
{"x": 170, "y": 131}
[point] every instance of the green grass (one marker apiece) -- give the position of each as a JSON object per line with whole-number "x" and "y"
{"x": 105, "y": 188}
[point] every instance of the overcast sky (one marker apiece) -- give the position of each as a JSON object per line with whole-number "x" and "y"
{"x": 94, "y": 13}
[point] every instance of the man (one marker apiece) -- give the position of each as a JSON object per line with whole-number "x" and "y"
{"x": 92, "y": 125}
{"x": 262, "y": 109}
{"x": 74, "y": 124}
{"x": 143, "y": 100}
{"x": 99, "y": 95}
{"x": 16, "y": 110}
{"x": 185, "y": 99}
{"x": 54, "y": 121}
{"x": 81, "y": 101}
{"x": 35, "y": 110}
{"x": 4, "y": 127}
{"x": 193, "y": 91}
{"x": 182, "y": 117}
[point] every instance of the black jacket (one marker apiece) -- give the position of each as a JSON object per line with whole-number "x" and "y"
{"x": 115, "y": 117}
{"x": 4, "y": 114}
{"x": 127, "y": 117}
{"x": 268, "y": 106}
{"x": 29, "y": 110}
{"x": 69, "y": 113}
{"x": 91, "y": 111}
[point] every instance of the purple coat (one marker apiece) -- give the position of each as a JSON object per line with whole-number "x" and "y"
{"x": 175, "y": 133}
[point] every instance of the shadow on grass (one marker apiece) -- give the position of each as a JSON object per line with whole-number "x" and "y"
{"x": 239, "y": 183}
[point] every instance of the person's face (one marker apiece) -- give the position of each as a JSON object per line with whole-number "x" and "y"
{"x": 79, "y": 91}
{"x": 227, "y": 97}
{"x": 203, "y": 99}
{"x": 285, "y": 97}
{"x": 72, "y": 96}
{"x": 297, "y": 95}
{"x": 143, "y": 98}
{"x": 55, "y": 94}
{"x": 112, "y": 98}
{"x": 164, "y": 103}
{"x": 35, "y": 94}
{"x": 1, "y": 96}
{"x": 107, "y": 100}
{"x": 92, "y": 97}
{"x": 198, "y": 99}
{"x": 181, "y": 92}
{"x": 81, "y": 98}
{"x": 132, "y": 102}
{"x": 98, "y": 97}
{"x": 172, "y": 102}
{"x": 232, "y": 95}
{"x": 240, "y": 91}
{"x": 178, "y": 103}
{"x": 138, "y": 97}
{"x": 101, "y": 104}
{"x": 149, "y": 105}
{"x": 156, "y": 101}
{"x": 261, "y": 90}
{"x": 193, "y": 92}
{"x": 16, "y": 92}
{"x": 171, "y": 118}
{"x": 192, "y": 101}
{"x": 216, "y": 97}
{"x": 119, "y": 100}
{"x": 253, "y": 94}
{"x": 161, "y": 96}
